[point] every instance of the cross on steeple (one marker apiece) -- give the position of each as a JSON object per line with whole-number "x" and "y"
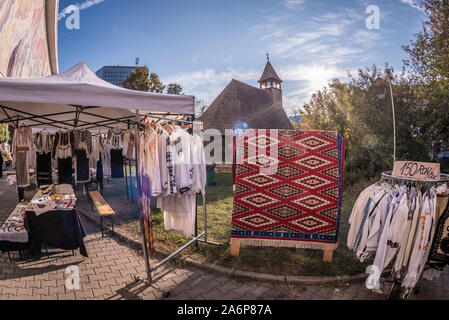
{"x": 269, "y": 78}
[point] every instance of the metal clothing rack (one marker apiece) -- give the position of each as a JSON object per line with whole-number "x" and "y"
{"x": 387, "y": 176}
{"x": 395, "y": 291}
{"x": 202, "y": 237}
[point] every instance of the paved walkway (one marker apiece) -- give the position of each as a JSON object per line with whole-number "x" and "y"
{"x": 109, "y": 270}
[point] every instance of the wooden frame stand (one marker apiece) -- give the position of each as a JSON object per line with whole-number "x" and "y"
{"x": 328, "y": 255}
{"x": 235, "y": 245}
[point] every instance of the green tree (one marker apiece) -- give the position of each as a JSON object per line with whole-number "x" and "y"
{"x": 138, "y": 80}
{"x": 156, "y": 84}
{"x": 4, "y": 133}
{"x": 174, "y": 88}
{"x": 200, "y": 107}
{"x": 429, "y": 65}
{"x": 361, "y": 111}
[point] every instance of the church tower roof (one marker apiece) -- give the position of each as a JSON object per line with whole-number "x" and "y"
{"x": 269, "y": 73}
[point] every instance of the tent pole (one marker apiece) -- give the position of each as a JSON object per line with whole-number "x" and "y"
{"x": 126, "y": 176}
{"x": 139, "y": 200}
{"x": 130, "y": 162}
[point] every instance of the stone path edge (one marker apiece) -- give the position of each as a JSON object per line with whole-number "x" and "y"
{"x": 233, "y": 271}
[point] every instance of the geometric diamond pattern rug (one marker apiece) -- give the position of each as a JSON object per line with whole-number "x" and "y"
{"x": 288, "y": 188}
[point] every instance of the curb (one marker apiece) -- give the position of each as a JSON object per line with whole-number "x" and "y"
{"x": 233, "y": 272}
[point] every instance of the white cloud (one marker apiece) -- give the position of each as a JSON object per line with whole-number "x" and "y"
{"x": 323, "y": 49}
{"x": 413, "y": 4}
{"x": 82, "y": 6}
{"x": 322, "y": 32}
{"x": 302, "y": 79}
{"x": 293, "y": 4}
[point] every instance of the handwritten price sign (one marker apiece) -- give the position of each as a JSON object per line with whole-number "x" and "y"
{"x": 417, "y": 170}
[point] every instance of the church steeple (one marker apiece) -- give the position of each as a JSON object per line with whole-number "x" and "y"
{"x": 269, "y": 78}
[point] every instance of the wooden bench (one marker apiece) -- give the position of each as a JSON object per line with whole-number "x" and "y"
{"x": 103, "y": 208}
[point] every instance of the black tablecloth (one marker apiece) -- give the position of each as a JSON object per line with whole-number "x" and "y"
{"x": 60, "y": 229}
{"x": 6, "y": 246}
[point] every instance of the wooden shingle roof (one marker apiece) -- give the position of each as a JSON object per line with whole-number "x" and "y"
{"x": 269, "y": 73}
{"x": 241, "y": 103}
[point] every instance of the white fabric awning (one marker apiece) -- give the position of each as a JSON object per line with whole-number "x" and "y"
{"x": 53, "y": 98}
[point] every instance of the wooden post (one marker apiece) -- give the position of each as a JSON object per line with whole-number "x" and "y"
{"x": 328, "y": 255}
{"x": 235, "y": 247}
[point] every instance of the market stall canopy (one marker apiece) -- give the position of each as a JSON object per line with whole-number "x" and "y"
{"x": 79, "y": 98}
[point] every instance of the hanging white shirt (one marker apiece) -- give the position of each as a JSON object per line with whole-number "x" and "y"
{"x": 181, "y": 152}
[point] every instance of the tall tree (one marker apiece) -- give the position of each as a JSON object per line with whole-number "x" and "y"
{"x": 200, "y": 107}
{"x": 138, "y": 80}
{"x": 156, "y": 84}
{"x": 174, "y": 88}
{"x": 429, "y": 64}
{"x": 361, "y": 111}
{"x": 4, "y": 133}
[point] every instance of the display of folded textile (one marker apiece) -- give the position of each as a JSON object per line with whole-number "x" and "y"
{"x": 59, "y": 197}
{"x": 13, "y": 230}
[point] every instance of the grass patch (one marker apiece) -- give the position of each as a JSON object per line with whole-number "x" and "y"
{"x": 281, "y": 261}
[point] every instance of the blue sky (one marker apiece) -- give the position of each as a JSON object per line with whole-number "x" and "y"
{"x": 203, "y": 44}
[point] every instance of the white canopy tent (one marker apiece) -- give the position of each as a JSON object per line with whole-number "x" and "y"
{"x": 78, "y": 98}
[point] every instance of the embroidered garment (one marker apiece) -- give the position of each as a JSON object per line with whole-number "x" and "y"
{"x": 22, "y": 168}
{"x": 199, "y": 165}
{"x": 22, "y": 143}
{"x": 439, "y": 253}
{"x": 97, "y": 147}
{"x": 170, "y": 167}
{"x": 288, "y": 188}
{"x": 399, "y": 230}
{"x": 151, "y": 159}
{"x": 129, "y": 144}
{"x": 181, "y": 153}
{"x": 423, "y": 235}
{"x": 44, "y": 142}
{"x": 13, "y": 230}
{"x": 162, "y": 154}
{"x": 63, "y": 145}
{"x": 179, "y": 213}
{"x": 115, "y": 138}
{"x": 106, "y": 159}
{"x": 83, "y": 140}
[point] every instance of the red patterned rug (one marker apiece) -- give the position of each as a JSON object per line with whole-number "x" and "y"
{"x": 288, "y": 188}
